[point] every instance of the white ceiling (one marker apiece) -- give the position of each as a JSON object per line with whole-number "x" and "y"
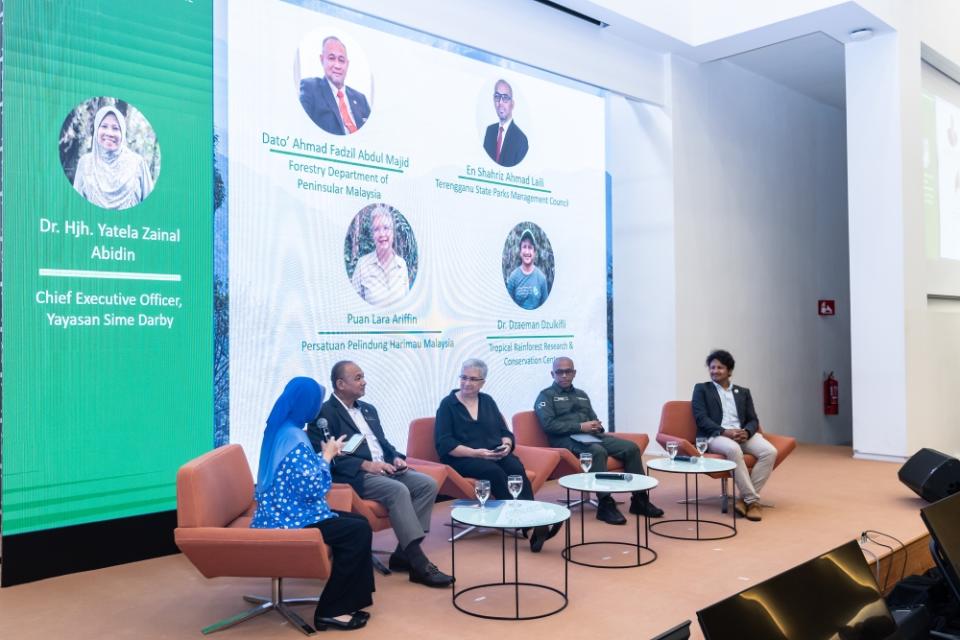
{"x": 805, "y": 53}
{"x": 812, "y": 65}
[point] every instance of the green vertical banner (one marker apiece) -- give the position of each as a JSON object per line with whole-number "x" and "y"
{"x": 107, "y": 256}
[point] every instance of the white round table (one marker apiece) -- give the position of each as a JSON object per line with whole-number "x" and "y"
{"x": 510, "y": 514}
{"x": 696, "y": 467}
{"x": 589, "y": 482}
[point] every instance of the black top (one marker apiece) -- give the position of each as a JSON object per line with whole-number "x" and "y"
{"x": 455, "y": 426}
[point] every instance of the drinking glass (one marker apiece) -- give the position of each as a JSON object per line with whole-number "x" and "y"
{"x": 701, "y": 447}
{"x": 672, "y": 447}
{"x": 586, "y": 461}
{"x": 482, "y": 490}
{"x": 515, "y": 485}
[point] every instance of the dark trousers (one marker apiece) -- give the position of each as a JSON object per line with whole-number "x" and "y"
{"x": 496, "y": 471}
{"x": 350, "y": 585}
{"x": 624, "y": 450}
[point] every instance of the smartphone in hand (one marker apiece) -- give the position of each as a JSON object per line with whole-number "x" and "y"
{"x": 352, "y": 444}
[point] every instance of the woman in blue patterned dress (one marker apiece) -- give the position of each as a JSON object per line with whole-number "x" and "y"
{"x": 291, "y": 484}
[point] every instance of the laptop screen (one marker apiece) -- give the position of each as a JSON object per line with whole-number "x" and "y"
{"x": 831, "y": 597}
{"x": 943, "y": 521}
{"x": 679, "y": 632}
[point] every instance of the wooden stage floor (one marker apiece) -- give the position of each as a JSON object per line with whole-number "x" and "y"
{"x": 823, "y": 498}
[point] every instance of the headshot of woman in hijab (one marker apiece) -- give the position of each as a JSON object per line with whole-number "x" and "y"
{"x": 112, "y": 175}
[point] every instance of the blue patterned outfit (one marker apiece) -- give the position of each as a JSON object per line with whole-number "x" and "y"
{"x": 295, "y": 498}
{"x": 292, "y": 483}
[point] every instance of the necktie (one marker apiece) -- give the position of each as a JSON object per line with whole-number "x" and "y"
{"x": 345, "y": 114}
{"x": 499, "y": 145}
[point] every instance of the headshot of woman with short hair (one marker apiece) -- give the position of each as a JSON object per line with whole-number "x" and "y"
{"x": 380, "y": 254}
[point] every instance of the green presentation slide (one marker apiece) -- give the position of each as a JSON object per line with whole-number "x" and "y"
{"x": 107, "y": 256}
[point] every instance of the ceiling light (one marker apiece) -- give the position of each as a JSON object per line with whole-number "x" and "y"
{"x": 859, "y": 35}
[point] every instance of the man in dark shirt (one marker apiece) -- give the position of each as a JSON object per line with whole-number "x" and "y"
{"x": 566, "y": 415}
{"x": 377, "y": 471}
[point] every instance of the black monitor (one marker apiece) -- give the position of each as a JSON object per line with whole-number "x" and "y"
{"x": 831, "y": 597}
{"x": 943, "y": 522}
{"x": 679, "y": 632}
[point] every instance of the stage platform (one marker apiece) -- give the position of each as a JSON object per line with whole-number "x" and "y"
{"x": 822, "y": 496}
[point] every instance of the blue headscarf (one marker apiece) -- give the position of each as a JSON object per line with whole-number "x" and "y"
{"x": 297, "y": 405}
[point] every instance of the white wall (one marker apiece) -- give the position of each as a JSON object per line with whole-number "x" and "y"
{"x": 935, "y": 344}
{"x": 943, "y": 318}
{"x": 760, "y": 236}
{"x": 938, "y": 27}
{"x": 877, "y": 258}
{"x": 902, "y": 341}
{"x": 640, "y": 162}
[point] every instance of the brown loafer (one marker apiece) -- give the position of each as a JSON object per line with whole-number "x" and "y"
{"x": 754, "y": 512}
{"x": 740, "y": 507}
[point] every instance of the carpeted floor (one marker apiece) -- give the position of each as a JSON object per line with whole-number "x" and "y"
{"x": 823, "y": 498}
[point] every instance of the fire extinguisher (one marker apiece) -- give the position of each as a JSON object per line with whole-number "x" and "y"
{"x": 831, "y": 396}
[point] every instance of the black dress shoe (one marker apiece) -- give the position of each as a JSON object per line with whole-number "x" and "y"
{"x": 607, "y": 512}
{"x": 542, "y": 534}
{"x": 430, "y": 576}
{"x": 643, "y": 507}
{"x": 399, "y": 562}
{"x": 539, "y": 536}
{"x": 357, "y": 621}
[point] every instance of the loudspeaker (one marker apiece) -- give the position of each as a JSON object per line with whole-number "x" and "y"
{"x": 931, "y": 475}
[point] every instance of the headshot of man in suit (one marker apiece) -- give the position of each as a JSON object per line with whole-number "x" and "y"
{"x": 330, "y": 103}
{"x": 504, "y": 142}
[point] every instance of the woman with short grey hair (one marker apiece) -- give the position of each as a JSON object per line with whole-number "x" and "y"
{"x": 472, "y": 437}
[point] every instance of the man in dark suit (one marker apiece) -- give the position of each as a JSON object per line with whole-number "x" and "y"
{"x": 725, "y": 416}
{"x": 333, "y": 106}
{"x": 377, "y": 471}
{"x": 504, "y": 142}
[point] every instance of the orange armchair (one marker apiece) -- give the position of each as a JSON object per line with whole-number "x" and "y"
{"x": 528, "y": 432}
{"x": 214, "y": 508}
{"x": 678, "y": 425}
{"x": 422, "y": 451}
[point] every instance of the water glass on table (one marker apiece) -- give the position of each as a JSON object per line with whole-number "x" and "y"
{"x": 515, "y": 485}
{"x": 481, "y": 488}
{"x": 586, "y": 461}
{"x": 672, "y": 447}
{"x": 701, "y": 447}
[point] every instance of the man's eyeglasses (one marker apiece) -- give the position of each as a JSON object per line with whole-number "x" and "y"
{"x": 564, "y": 372}
{"x": 470, "y": 379}
{"x": 502, "y": 97}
